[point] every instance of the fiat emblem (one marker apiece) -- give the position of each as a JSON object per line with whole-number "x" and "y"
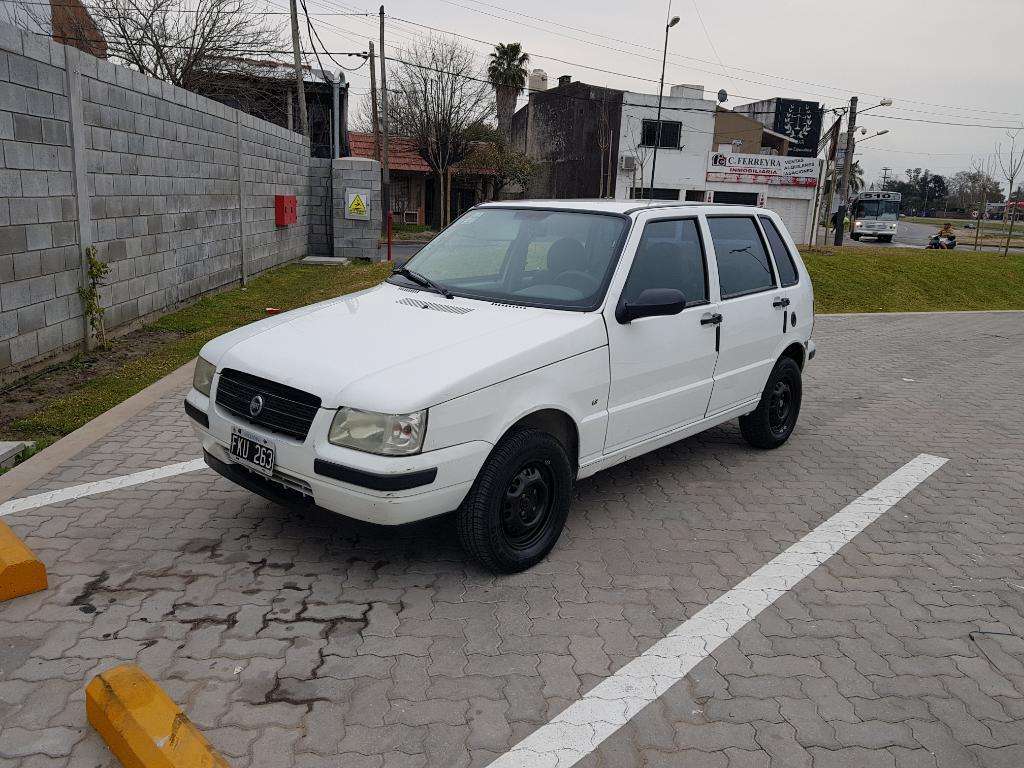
{"x": 256, "y": 405}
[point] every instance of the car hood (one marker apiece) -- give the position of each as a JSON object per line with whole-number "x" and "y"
{"x": 395, "y": 350}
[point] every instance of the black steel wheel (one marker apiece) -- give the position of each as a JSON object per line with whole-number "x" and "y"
{"x": 774, "y": 420}
{"x": 516, "y": 509}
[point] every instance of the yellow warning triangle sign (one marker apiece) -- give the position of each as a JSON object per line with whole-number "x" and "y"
{"x": 357, "y": 205}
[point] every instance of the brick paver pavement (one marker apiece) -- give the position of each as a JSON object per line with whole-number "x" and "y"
{"x": 301, "y": 639}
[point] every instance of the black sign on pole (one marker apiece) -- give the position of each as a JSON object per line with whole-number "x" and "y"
{"x": 801, "y": 122}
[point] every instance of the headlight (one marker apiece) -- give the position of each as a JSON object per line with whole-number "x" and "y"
{"x": 858, "y": 223}
{"x": 382, "y": 433}
{"x": 202, "y": 379}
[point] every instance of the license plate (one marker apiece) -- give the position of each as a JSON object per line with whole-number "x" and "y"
{"x": 253, "y": 451}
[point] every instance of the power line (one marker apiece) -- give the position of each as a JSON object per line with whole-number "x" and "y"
{"x": 633, "y": 43}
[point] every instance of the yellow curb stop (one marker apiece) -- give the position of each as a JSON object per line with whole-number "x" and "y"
{"x": 141, "y": 725}
{"x": 21, "y": 572}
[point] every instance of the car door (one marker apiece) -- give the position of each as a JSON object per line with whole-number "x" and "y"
{"x": 751, "y": 321}
{"x": 662, "y": 368}
{"x": 794, "y": 300}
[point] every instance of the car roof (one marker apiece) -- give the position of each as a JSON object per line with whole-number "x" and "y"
{"x": 621, "y": 206}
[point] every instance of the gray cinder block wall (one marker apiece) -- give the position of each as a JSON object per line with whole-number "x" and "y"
{"x": 175, "y": 191}
{"x": 355, "y": 238}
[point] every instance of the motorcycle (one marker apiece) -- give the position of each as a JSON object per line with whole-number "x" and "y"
{"x": 942, "y": 242}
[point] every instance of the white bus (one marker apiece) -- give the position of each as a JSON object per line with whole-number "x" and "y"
{"x": 875, "y": 214}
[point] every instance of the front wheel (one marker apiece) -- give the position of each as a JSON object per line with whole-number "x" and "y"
{"x": 885, "y": 238}
{"x": 775, "y": 418}
{"x": 854, "y": 236}
{"x": 516, "y": 509}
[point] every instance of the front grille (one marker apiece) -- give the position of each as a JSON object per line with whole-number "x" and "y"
{"x": 286, "y": 410}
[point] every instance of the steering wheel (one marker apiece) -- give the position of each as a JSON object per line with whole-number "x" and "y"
{"x": 577, "y": 280}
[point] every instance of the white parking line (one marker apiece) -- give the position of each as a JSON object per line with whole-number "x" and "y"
{"x": 579, "y": 730}
{"x": 99, "y": 486}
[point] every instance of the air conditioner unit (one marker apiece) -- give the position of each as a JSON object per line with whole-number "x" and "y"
{"x": 627, "y": 163}
{"x": 411, "y": 217}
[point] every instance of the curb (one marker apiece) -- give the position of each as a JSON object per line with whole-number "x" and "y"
{"x": 21, "y": 572}
{"x": 53, "y": 456}
{"x": 141, "y": 725}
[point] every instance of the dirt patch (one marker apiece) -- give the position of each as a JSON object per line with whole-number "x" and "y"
{"x": 25, "y": 396}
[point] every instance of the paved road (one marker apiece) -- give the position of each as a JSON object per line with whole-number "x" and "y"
{"x": 910, "y": 234}
{"x": 301, "y": 639}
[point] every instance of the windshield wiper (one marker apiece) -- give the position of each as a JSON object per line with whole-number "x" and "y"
{"x": 426, "y": 282}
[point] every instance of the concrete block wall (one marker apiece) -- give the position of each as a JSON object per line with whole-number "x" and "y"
{"x": 175, "y": 191}
{"x": 40, "y": 311}
{"x": 275, "y": 161}
{"x": 320, "y": 208}
{"x": 354, "y": 238}
{"x": 162, "y": 183}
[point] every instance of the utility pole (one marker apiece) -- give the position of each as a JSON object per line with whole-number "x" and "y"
{"x": 300, "y": 80}
{"x": 373, "y": 104}
{"x": 885, "y": 176}
{"x": 385, "y": 186}
{"x": 844, "y": 198}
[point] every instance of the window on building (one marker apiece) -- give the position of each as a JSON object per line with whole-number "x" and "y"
{"x": 671, "y": 131}
{"x": 670, "y": 255}
{"x": 659, "y": 193}
{"x": 743, "y": 265}
{"x": 736, "y": 198}
{"x": 695, "y": 195}
{"x": 783, "y": 258}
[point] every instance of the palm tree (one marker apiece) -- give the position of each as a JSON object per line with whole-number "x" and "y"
{"x": 856, "y": 178}
{"x": 507, "y": 73}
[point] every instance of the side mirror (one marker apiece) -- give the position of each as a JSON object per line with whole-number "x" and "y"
{"x": 651, "y": 303}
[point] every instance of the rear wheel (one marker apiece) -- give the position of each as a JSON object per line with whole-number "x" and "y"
{"x": 516, "y": 509}
{"x": 775, "y": 418}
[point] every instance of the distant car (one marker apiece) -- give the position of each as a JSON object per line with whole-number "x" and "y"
{"x": 529, "y": 345}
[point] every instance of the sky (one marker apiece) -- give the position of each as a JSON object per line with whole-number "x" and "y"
{"x": 945, "y": 61}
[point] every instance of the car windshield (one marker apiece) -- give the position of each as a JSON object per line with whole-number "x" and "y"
{"x": 885, "y": 210}
{"x": 537, "y": 257}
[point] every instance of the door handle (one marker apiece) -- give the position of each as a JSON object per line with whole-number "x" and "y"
{"x": 780, "y": 302}
{"x": 711, "y": 319}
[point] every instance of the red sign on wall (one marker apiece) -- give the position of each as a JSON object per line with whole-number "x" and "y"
{"x": 286, "y": 210}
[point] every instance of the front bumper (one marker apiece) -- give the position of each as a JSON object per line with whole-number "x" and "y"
{"x": 389, "y": 490}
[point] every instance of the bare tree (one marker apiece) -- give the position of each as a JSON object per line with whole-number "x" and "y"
{"x": 437, "y": 94}
{"x": 634, "y": 133}
{"x": 1011, "y": 167}
{"x": 189, "y": 43}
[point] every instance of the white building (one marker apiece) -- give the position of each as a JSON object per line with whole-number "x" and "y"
{"x": 701, "y": 158}
{"x": 687, "y": 127}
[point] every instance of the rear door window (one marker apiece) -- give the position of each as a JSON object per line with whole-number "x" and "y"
{"x": 783, "y": 258}
{"x": 743, "y": 263}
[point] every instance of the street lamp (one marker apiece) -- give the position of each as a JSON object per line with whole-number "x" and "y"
{"x": 873, "y": 135}
{"x": 661, "y": 88}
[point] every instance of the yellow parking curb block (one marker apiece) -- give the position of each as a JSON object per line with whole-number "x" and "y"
{"x": 141, "y": 725}
{"x": 21, "y": 572}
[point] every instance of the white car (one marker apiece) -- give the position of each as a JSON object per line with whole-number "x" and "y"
{"x": 529, "y": 345}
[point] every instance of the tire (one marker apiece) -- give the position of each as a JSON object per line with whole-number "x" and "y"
{"x": 885, "y": 238}
{"x": 774, "y": 420}
{"x": 516, "y": 509}
{"x": 854, "y": 236}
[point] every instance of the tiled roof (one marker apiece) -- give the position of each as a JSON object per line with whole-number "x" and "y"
{"x": 402, "y": 152}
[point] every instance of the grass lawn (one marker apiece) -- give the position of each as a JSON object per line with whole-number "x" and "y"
{"x": 869, "y": 279}
{"x": 861, "y": 279}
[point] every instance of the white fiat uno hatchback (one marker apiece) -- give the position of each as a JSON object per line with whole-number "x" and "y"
{"x": 529, "y": 345}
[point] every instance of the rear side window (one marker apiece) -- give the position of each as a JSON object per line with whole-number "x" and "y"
{"x": 670, "y": 255}
{"x": 783, "y": 258}
{"x": 743, "y": 265}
